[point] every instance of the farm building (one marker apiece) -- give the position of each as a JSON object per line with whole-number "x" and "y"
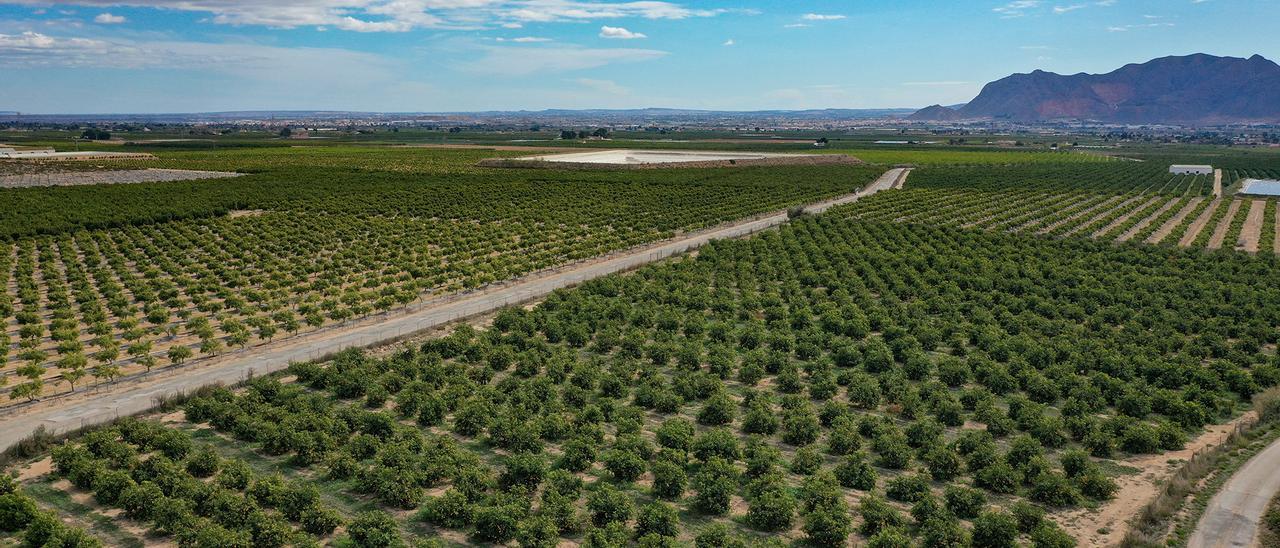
{"x": 1177, "y": 169}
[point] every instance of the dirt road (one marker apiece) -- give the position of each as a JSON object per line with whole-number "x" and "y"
{"x": 128, "y": 398}
{"x": 1217, "y": 183}
{"x": 1197, "y": 225}
{"x": 1135, "y": 229}
{"x": 1234, "y": 513}
{"x": 1175, "y": 222}
{"x": 1252, "y": 230}
{"x": 1224, "y": 225}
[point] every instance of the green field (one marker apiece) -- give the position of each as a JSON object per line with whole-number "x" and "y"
{"x": 971, "y": 361}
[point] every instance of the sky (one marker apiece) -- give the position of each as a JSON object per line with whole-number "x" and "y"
{"x": 155, "y": 56}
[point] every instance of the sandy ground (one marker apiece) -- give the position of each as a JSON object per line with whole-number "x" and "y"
{"x": 1165, "y": 229}
{"x": 1142, "y": 225}
{"x": 115, "y": 177}
{"x": 1123, "y": 218}
{"x": 1106, "y": 525}
{"x": 1217, "y": 183}
{"x": 1252, "y": 230}
{"x": 235, "y": 214}
{"x": 1220, "y": 232}
{"x": 1198, "y": 224}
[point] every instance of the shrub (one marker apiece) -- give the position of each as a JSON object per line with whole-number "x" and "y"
{"x": 498, "y": 523}
{"x": 658, "y": 519}
{"x": 772, "y": 510}
{"x": 1049, "y": 535}
{"x": 995, "y": 530}
{"x": 537, "y": 532}
{"x": 964, "y": 502}
{"x": 451, "y": 510}
{"x": 623, "y": 464}
{"x": 715, "y": 484}
{"x": 1028, "y": 516}
{"x": 998, "y": 478}
{"x": 877, "y": 515}
{"x": 719, "y": 410}
{"x": 375, "y": 529}
{"x": 856, "y": 473}
{"x": 203, "y": 463}
{"x": 1053, "y": 489}
{"x": 827, "y": 526}
{"x": 943, "y": 462}
{"x": 718, "y": 535}
{"x": 806, "y": 461}
{"x": 607, "y": 505}
{"x": 676, "y": 434}
{"x": 890, "y": 537}
{"x": 16, "y": 512}
{"x": 907, "y": 488}
{"x": 669, "y": 480}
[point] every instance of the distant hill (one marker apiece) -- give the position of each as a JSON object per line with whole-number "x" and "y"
{"x": 937, "y": 113}
{"x": 1199, "y": 88}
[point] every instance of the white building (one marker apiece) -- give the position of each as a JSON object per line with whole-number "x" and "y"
{"x": 1190, "y": 170}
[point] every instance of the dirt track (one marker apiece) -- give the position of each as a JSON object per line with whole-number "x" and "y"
{"x": 1252, "y": 231}
{"x": 1199, "y": 224}
{"x": 1224, "y": 225}
{"x": 130, "y": 397}
{"x": 1167, "y": 228}
{"x": 1135, "y": 229}
{"x": 1123, "y": 218}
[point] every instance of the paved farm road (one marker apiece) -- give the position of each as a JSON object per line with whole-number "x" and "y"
{"x": 1234, "y": 514}
{"x": 127, "y": 398}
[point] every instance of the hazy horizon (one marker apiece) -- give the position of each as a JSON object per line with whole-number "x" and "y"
{"x": 198, "y": 56}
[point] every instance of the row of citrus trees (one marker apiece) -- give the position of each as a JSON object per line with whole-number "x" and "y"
{"x": 838, "y": 377}
{"x": 92, "y": 305}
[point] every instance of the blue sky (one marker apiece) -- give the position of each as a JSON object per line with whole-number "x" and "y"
{"x": 107, "y": 56}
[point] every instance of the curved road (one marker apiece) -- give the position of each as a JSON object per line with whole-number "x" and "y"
{"x": 1233, "y": 515}
{"x": 127, "y": 398}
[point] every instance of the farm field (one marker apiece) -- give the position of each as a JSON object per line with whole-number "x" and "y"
{"x": 1137, "y": 203}
{"x": 836, "y": 378}
{"x": 104, "y": 281}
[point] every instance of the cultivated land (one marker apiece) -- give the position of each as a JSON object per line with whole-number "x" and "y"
{"x": 105, "y": 177}
{"x": 970, "y": 360}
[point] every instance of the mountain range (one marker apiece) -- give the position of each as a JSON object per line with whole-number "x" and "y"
{"x": 1191, "y": 89}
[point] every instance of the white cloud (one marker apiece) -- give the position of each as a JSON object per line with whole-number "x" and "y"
{"x": 729, "y": 42}
{"x": 403, "y": 15}
{"x": 797, "y": 26}
{"x": 603, "y": 86}
{"x": 619, "y": 33}
{"x": 523, "y": 61}
{"x": 822, "y": 17}
{"x": 1123, "y": 28}
{"x": 524, "y": 39}
{"x": 1016, "y": 8}
{"x": 1066, "y": 9}
{"x": 109, "y": 19}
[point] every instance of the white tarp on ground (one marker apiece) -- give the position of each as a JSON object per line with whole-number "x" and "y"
{"x": 1260, "y": 187}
